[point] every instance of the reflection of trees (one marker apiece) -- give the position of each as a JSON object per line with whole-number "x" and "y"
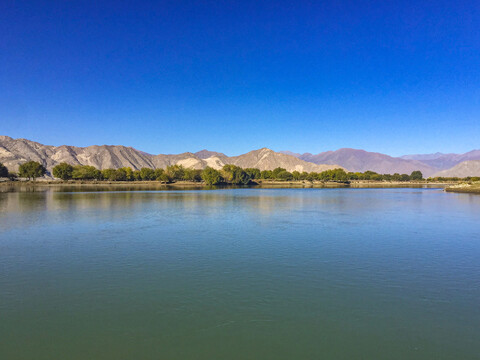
{"x": 29, "y": 208}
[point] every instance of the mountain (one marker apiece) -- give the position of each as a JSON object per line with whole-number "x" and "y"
{"x": 361, "y": 160}
{"x": 444, "y": 161}
{"x": 14, "y": 152}
{"x": 464, "y": 169}
{"x": 266, "y": 159}
{"x": 205, "y": 154}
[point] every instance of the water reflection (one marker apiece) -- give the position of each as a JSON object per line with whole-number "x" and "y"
{"x": 239, "y": 270}
{"x": 316, "y": 204}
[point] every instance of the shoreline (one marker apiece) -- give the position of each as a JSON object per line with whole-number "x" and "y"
{"x": 451, "y": 186}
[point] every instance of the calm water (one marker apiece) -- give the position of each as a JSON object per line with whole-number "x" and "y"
{"x": 240, "y": 274}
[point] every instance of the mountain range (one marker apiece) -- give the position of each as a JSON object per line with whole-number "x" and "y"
{"x": 14, "y": 152}
{"x": 429, "y": 164}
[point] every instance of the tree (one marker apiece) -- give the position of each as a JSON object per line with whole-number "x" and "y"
{"x": 175, "y": 172}
{"x": 137, "y": 176}
{"x": 127, "y": 173}
{"x": 159, "y": 174}
{"x": 277, "y": 171}
{"x": 86, "y": 172}
{"x": 254, "y": 173}
{"x": 416, "y": 175}
{"x": 266, "y": 174}
{"x": 211, "y": 176}
{"x": 147, "y": 174}
{"x": 31, "y": 170}
{"x": 63, "y": 171}
{"x": 312, "y": 176}
{"x": 192, "y": 175}
{"x": 163, "y": 177}
{"x": 3, "y": 171}
{"x": 284, "y": 175}
{"x": 235, "y": 175}
{"x": 109, "y": 174}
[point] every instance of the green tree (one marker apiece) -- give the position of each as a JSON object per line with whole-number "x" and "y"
{"x": 158, "y": 174}
{"x": 312, "y": 176}
{"x": 175, "y": 172}
{"x": 147, "y": 174}
{"x": 86, "y": 172}
{"x": 127, "y": 173}
{"x": 211, "y": 176}
{"x": 284, "y": 175}
{"x": 235, "y": 175}
{"x": 192, "y": 175}
{"x": 296, "y": 175}
{"x": 63, "y": 171}
{"x": 416, "y": 175}
{"x": 266, "y": 174}
{"x": 277, "y": 171}
{"x": 110, "y": 174}
{"x": 254, "y": 173}
{"x": 339, "y": 175}
{"x": 137, "y": 176}
{"x": 163, "y": 177}
{"x": 3, "y": 171}
{"x": 31, "y": 170}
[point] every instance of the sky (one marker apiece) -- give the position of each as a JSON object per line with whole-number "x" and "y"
{"x": 397, "y": 77}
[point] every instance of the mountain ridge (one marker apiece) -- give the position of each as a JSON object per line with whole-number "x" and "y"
{"x": 362, "y": 160}
{"x": 14, "y": 152}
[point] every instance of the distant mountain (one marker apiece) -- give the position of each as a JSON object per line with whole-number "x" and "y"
{"x": 14, "y": 152}
{"x": 205, "y": 154}
{"x": 266, "y": 159}
{"x": 444, "y": 161}
{"x": 361, "y": 160}
{"x": 464, "y": 169}
{"x": 422, "y": 157}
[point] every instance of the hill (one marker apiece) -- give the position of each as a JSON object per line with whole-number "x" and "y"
{"x": 464, "y": 169}
{"x": 14, "y": 152}
{"x": 361, "y": 161}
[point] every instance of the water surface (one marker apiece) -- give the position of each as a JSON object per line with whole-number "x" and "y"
{"x": 240, "y": 274}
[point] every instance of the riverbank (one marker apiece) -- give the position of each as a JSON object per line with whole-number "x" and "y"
{"x": 121, "y": 185}
{"x": 464, "y": 188}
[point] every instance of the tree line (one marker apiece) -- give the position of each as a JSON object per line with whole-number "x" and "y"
{"x": 229, "y": 174}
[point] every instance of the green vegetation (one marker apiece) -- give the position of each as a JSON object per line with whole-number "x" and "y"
{"x": 86, "y": 172}
{"x": 63, "y": 171}
{"x": 229, "y": 174}
{"x": 211, "y": 176}
{"x": 31, "y": 170}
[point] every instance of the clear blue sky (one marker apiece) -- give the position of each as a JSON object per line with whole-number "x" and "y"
{"x": 171, "y": 76}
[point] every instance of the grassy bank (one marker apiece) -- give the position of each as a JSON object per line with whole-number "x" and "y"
{"x": 464, "y": 188}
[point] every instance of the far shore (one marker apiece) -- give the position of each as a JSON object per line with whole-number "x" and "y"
{"x": 199, "y": 185}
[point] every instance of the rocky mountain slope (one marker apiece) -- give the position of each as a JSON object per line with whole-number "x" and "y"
{"x": 14, "y": 152}
{"x": 266, "y": 159}
{"x": 361, "y": 160}
{"x": 464, "y": 169}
